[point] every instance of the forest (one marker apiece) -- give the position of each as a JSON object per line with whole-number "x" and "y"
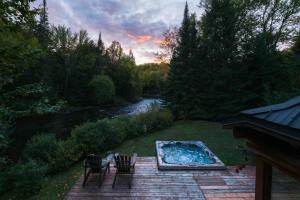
{"x": 236, "y": 55}
{"x": 48, "y": 69}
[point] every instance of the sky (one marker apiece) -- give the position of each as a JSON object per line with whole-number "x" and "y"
{"x": 136, "y": 24}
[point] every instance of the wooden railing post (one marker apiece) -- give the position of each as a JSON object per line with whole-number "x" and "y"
{"x": 263, "y": 185}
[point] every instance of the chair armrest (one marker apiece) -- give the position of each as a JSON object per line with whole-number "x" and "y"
{"x": 115, "y": 155}
{"x": 109, "y": 157}
{"x": 104, "y": 164}
{"x": 108, "y": 153}
{"x": 106, "y": 160}
{"x": 133, "y": 159}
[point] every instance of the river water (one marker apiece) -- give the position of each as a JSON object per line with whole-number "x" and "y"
{"x": 61, "y": 124}
{"x": 137, "y": 108}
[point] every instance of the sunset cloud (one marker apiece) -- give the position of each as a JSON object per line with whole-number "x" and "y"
{"x": 145, "y": 38}
{"x": 158, "y": 41}
{"x": 139, "y": 38}
{"x": 137, "y": 25}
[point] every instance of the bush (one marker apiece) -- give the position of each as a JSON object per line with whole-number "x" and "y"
{"x": 4, "y": 144}
{"x": 102, "y": 89}
{"x": 63, "y": 156}
{"x": 41, "y": 148}
{"x": 57, "y": 154}
{"x": 105, "y": 134}
{"x": 96, "y": 137}
{"x": 27, "y": 177}
{"x": 71, "y": 150}
{"x": 164, "y": 118}
{"x": 115, "y": 131}
{"x": 151, "y": 121}
{"x": 4, "y": 183}
{"x": 88, "y": 138}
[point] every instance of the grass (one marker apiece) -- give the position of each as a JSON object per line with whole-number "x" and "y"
{"x": 54, "y": 188}
{"x": 220, "y": 141}
{"x": 57, "y": 186}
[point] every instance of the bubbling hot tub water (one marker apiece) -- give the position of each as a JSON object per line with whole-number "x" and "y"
{"x": 179, "y": 153}
{"x": 186, "y": 155}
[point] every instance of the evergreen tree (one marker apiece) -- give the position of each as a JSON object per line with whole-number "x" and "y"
{"x": 43, "y": 29}
{"x": 83, "y": 38}
{"x": 296, "y": 45}
{"x": 177, "y": 89}
{"x": 100, "y": 45}
{"x": 131, "y": 56}
{"x": 191, "y": 101}
{"x": 114, "y": 52}
{"x": 219, "y": 72}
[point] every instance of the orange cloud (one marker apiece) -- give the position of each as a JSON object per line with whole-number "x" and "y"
{"x": 145, "y": 38}
{"x": 158, "y": 41}
{"x": 140, "y": 38}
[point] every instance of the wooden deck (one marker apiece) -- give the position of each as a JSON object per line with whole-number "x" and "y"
{"x": 151, "y": 183}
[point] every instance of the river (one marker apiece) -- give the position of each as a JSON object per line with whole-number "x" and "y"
{"x": 61, "y": 124}
{"x": 139, "y": 107}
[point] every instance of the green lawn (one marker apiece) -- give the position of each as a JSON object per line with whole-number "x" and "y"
{"x": 54, "y": 188}
{"x": 220, "y": 141}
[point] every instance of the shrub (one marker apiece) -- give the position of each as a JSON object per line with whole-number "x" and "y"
{"x": 41, "y": 148}
{"x": 4, "y": 144}
{"x": 131, "y": 128}
{"x": 88, "y": 138}
{"x": 57, "y": 154}
{"x": 164, "y": 118}
{"x": 151, "y": 121}
{"x": 28, "y": 177}
{"x": 115, "y": 131}
{"x": 4, "y": 183}
{"x": 96, "y": 137}
{"x": 71, "y": 150}
{"x": 102, "y": 89}
{"x": 63, "y": 156}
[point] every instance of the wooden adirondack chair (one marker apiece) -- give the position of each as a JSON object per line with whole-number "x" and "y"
{"x": 95, "y": 164}
{"x": 125, "y": 165}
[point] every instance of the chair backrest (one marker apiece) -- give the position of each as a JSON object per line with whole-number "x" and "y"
{"x": 123, "y": 163}
{"x": 94, "y": 161}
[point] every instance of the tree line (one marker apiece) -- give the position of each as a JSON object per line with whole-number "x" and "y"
{"x": 47, "y": 68}
{"x": 237, "y": 55}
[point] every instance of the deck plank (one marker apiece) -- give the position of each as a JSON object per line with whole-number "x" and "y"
{"x": 151, "y": 183}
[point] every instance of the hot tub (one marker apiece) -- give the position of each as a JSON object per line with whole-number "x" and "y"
{"x": 185, "y": 155}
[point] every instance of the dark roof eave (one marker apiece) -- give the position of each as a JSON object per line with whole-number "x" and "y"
{"x": 285, "y": 133}
{"x": 280, "y": 106}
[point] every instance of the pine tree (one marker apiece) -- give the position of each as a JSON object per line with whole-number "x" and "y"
{"x": 218, "y": 72}
{"x": 177, "y": 88}
{"x": 229, "y": 60}
{"x": 100, "y": 45}
{"x": 131, "y": 56}
{"x": 43, "y": 30}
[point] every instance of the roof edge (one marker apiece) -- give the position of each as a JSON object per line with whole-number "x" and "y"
{"x": 280, "y": 106}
